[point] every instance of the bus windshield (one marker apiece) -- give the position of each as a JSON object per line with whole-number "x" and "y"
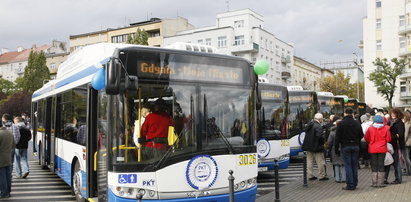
{"x": 273, "y": 121}
{"x": 301, "y": 111}
{"x": 201, "y": 117}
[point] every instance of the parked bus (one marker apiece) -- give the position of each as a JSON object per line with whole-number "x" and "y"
{"x": 353, "y": 103}
{"x": 302, "y": 107}
{"x": 329, "y": 104}
{"x": 272, "y": 137}
{"x": 362, "y": 108}
{"x": 87, "y": 124}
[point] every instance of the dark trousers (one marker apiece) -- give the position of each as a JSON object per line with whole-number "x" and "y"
{"x": 350, "y": 156}
{"x": 377, "y": 162}
{"x": 397, "y": 167}
{"x": 5, "y": 181}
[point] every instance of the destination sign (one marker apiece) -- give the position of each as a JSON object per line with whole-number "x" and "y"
{"x": 271, "y": 95}
{"x": 361, "y": 107}
{"x": 349, "y": 104}
{"x": 190, "y": 71}
{"x": 302, "y": 98}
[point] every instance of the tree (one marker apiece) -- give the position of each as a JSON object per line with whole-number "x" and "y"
{"x": 6, "y": 86}
{"x": 385, "y": 76}
{"x": 16, "y": 104}
{"x": 36, "y": 72}
{"x": 339, "y": 84}
{"x": 140, "y": 38}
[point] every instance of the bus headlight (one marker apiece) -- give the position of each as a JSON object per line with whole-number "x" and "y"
{"x": 245, "y": 184}
{"x": 133, "y": 193}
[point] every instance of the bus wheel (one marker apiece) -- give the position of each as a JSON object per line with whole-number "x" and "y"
{"x": 76, "y": 183}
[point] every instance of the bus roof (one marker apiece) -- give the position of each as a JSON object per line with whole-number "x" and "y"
{"x": 325, "y": 94}
{"x": 295, "y": 88}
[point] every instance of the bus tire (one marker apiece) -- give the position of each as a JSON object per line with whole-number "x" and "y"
{"x": 76, "y": 182}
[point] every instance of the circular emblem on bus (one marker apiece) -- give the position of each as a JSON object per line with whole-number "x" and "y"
{"x": 263, "y": 148}
{"x": 201, "y": 172}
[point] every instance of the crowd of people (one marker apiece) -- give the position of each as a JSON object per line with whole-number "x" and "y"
{"x": 378, "y": 139}
{"x": 14, "y": 137}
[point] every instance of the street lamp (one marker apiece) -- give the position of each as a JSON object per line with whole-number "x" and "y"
{"x": 358, "y": 74}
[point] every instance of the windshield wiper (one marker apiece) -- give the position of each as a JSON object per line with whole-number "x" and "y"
{"x": 215, "y": 130}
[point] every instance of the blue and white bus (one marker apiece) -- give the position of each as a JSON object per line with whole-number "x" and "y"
{"x": 272, "y": 137}
{"x": 302, "y": 105}
{"x": 329, "y": 104}
{"x": 86, "y": 120}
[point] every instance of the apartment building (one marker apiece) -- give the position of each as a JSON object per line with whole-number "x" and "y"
{"x": 241, "y": 33}
{"x": 386, "y": 34}
{"x": 13, "y": 63}
{"x": 352, "y": 68}
{"x": 156, "y": 28}
{"x": 307, "y": 74}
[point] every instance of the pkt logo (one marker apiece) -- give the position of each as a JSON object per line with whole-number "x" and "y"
{"x": 148, "y": 182}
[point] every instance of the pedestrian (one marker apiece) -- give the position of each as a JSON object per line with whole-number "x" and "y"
{"x": 366, "y": 122}
{"x": 377, "y": 137}
{"x": 22, "y": 165}
{"x": 8, "y": 124}
{"x": 397, "y": 130}
{"x": 348, "y": 136}
{"x": 6, "y": 146}
{"x": 314, "y": 146}
{"x": 407, "y": 136}
{"x": 337, "y": 161}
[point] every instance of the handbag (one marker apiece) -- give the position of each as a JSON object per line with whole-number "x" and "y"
{"x": 388, "y": 159}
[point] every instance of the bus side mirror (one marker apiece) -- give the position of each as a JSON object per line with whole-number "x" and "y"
{"x": 113, "y": 73}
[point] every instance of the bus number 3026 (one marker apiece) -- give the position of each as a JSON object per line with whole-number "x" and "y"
{"x": 248, "y": 159}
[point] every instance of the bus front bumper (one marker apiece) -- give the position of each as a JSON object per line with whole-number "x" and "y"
{"x": 248, "y": 195}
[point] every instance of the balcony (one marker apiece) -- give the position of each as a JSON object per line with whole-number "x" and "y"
{"x": 405, "y": 51}
{"x": 404, "y": 29}
{"x": 285, "y": 75}
{"x": 251, "y": 47}
{"x": 405, "y": 95}
{"x": 285, "y": 60}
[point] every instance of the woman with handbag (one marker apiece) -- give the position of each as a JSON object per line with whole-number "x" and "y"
{"x": 377, "y": 137}
{"x": 397, "y": 130}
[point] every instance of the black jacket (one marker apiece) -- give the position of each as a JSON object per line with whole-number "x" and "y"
{"x": 314, "y": 138}
{"x": 397, "y": 127}
{"x": 25, "y": 137}
{"x": 349, "y": 133}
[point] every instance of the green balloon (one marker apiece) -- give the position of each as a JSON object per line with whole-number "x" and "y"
{"x": 345, "y": 100}
{"x": 261, "y": 67}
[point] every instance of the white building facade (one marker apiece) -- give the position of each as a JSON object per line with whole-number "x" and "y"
{"x": 383, "y": 38}
{"x": 241, "y": 33}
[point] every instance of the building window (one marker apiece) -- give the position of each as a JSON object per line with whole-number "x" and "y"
{"x": 208, "y": 42}
{"x": 379, "y": 44}
{"x": 200, "y": 41}
{"x": 119, "y": 38}
{"x": 402, "y": 42}
{"x": 155, "y": 33}
{"x": 222, "y": 41}
{"x": 378, "y": 23}
{"x": 402, "y": 20}
{"x": 238, "y": 23}
{"x": 239, "y": 40}
{"x": 52, "y": 66}
{"x": 378, "y": 3}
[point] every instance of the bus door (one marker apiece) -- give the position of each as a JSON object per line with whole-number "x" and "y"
{"x": 47, "y": 134}
{"x": 93, "y": 167}
{"x": 52, "y": 133}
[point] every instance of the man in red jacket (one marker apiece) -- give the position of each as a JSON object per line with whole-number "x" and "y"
{"x": 154, "y": 132}
{"x": 377, "y": 137}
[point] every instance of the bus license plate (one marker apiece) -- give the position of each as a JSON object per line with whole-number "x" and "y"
{"x": 262, "y": 169}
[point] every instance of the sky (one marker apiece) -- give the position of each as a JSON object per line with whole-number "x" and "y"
{"x": 319, "y": 29}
